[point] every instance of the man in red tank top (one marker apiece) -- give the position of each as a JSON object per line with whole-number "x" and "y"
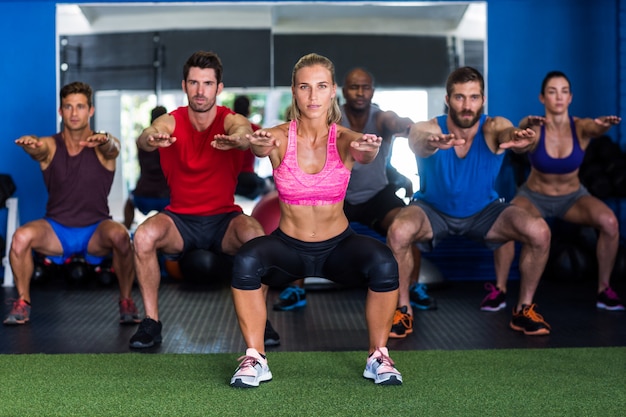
{"x": 201, "y": 146}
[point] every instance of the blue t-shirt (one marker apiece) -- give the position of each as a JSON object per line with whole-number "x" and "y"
{"x": 460, "y": 187}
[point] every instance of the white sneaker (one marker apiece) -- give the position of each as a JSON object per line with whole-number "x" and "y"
{"x": 381, "y": 368}
{"x": 252, "y": 370}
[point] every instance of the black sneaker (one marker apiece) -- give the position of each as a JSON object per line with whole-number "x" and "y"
{"x": 147, "y": 335}
{"x": 530, "y": 322}
{"x": 609, "y": 300}
{"x": 291, "y": 298}
{"x": 420, "y": 298}
{"x": 271, "y": 336}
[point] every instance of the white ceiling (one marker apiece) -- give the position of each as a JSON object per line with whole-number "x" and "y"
{"x": 467, "y": 20}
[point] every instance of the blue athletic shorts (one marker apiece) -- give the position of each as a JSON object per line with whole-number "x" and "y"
{"x": 74, "y": 241}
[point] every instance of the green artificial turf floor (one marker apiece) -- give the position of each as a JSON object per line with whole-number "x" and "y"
{"x": 504, "y": 382}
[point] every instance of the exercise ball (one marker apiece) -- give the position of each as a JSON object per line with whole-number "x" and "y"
{"x": 569, "y": 262}
{"x": 172, "y": 268}
{"x": 201, "y": 265}
{"x": 429, "y": 273}
{"x": 267, "y": 212}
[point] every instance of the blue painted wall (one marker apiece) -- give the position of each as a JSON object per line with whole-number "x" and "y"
{"x": 526, "y": 38}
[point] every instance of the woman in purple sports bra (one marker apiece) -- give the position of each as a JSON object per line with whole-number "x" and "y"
{"x": 553, "y": 188}
{"x": 312, "y": 157}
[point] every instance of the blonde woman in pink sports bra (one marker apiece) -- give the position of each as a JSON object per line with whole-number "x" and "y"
{"x": 312, "y": 158}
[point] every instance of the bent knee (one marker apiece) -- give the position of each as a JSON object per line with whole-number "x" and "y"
{"x": 144, "y": 240}
{"x": 401, "y": 233}
{"x": 247, "y": 272}
{"x": 383, "y": 276}
{"x": 120, "y": 240}
{"x": 609, "y": 224}
{"x": 22, "y": 241}
{"x": 539, "y": 233}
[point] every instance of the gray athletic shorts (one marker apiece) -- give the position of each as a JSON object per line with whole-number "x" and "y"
{"x": 549, "y": 205}
{"x": 474, "y": 227}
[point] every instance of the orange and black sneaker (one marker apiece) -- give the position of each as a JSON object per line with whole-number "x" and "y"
{"x": 530, "y": 322}
{"x": 402, "y": 323}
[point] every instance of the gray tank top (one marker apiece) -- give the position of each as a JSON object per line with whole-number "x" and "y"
{"x": 368, "y": 179}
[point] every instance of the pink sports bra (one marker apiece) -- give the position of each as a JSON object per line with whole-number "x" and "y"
{"x": 323, "y": 188}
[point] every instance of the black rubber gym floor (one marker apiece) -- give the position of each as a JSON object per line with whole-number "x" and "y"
{"x": 201, "y": 319}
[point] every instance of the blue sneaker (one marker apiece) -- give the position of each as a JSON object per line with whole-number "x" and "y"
{"x": 291, "y": 298}
{"x": 420, "y": 299}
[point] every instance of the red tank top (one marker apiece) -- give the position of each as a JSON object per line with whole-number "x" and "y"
{"x": 78, "y": 187}
{"x": 202, "y": 179}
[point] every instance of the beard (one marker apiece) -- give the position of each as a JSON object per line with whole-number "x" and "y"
{"x": 203, "y": 108}
{"x": 464, "y": 123}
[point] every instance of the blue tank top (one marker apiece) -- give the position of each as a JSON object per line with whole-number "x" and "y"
{"x": 542, "y": 162}
{"x": 368, "y": 179}
{"x": 460, "y": 187}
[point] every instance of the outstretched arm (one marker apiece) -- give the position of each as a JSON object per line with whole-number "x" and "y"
{"x": 425, "y": 138}
{"x": 104, "y": 143}
{"x": 592, "y": 128}
{"x": 508, "y": 136}
{"x": 364, "y": 147}
{"x": 237, "y": 129}
{"x": 530, "y": 121}
{"x": 40, "y": 149}
{"x": 396, "y": 125}
{"x": 263, "y": 142}
{"x": 157, "y": 135}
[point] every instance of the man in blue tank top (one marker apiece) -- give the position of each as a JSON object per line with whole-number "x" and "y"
{"x": 78, "y": 166}
{"x": 459, "y": 156}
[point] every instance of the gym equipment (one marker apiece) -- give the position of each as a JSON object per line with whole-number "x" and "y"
{"x": 568, "y": 261}
{"x": 267, "y": 212}
{"x": 172, "y": 268}
{"x": 77, "y": 270}
{"x": 105, "y": 273}
{"x": 202, "y": 266}
{"x": 44, "y": 270}
{"x": 429, "y": 273}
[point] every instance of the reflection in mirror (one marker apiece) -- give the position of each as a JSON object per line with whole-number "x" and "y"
{"x": 460, "y": 29}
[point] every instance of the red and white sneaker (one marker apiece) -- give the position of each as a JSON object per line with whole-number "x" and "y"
{"x": 128, "y": 312}
{"x": 19, "y": 314}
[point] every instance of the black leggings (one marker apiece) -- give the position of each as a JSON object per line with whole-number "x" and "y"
{"x": 348, "y": 259}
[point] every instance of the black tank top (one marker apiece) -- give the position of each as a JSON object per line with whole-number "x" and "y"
{"x": 78, "y": 187}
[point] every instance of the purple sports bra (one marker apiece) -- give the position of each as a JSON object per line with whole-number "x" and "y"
{"x": 323, "y": 188}
{"x": 542, "y": 162}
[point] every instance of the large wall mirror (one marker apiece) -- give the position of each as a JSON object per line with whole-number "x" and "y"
{"x": 132, "y": 54}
